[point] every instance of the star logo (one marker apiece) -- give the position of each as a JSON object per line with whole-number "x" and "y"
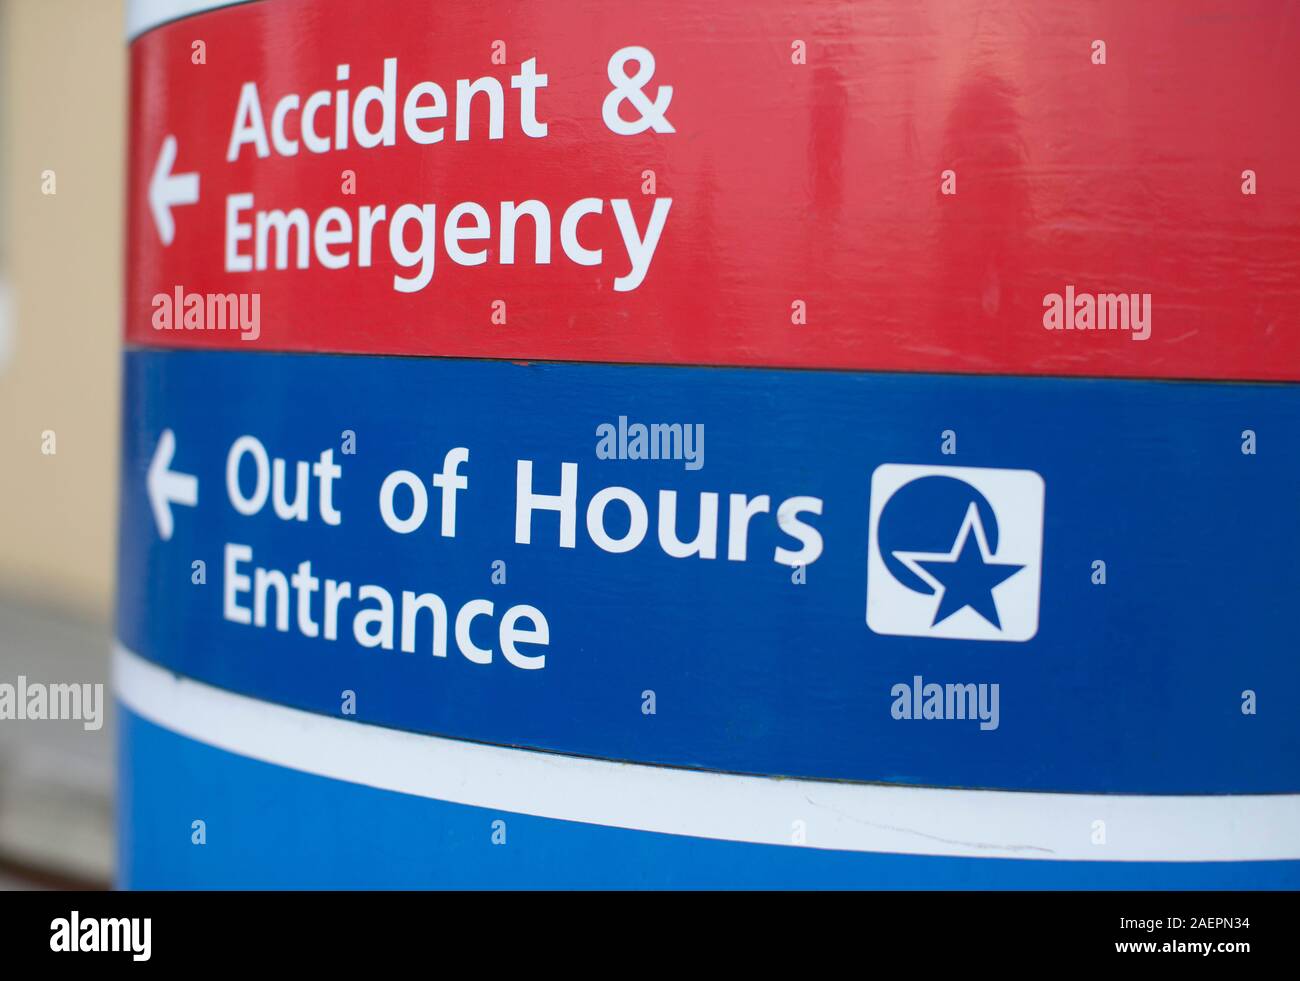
{"x": 966, "y": 575}
{"x": 955, "y": 552}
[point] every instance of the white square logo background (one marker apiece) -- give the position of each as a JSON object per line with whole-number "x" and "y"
{"x": 1017, "y": 498}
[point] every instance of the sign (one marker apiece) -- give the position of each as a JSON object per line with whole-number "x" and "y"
{"x": 818, "y": 445}
{"x": 459, "y": 544}
{"x": 796, "y": 185}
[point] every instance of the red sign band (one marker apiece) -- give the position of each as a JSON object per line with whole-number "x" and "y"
{"x": 922, "y": 187}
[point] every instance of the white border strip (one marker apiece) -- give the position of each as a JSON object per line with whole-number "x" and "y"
{"x": 730, "y": 807}
{"x": 145, "y": 15}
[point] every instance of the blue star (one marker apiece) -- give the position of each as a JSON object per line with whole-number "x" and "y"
{"x": 968, "y": 578}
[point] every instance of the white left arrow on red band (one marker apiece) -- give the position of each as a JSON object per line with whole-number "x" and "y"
{"x": 167, "y": 190}
{"x": 167, "y": 487}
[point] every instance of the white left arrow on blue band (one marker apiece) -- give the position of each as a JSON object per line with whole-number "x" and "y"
{"x": 167, "y": 487}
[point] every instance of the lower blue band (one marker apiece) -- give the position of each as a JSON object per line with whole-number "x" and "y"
{"x": 266, "y": 826}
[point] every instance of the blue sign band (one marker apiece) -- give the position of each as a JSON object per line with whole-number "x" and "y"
{"x": 383, "y": 840}
{"x": 1015, "y": 583}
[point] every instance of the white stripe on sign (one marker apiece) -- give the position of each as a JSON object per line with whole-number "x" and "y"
{"x": 145, "y": 15}
{"x": 725, "y": 806}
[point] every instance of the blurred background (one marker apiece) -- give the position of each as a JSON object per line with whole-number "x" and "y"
{"x": 62, "y": 104}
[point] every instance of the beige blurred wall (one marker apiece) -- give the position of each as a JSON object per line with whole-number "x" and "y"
{"x": 63, "y": 92}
